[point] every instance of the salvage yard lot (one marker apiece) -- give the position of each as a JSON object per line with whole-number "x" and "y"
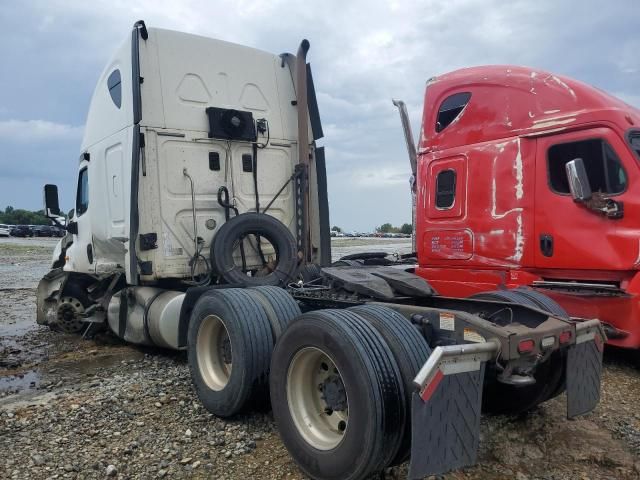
{"x": 71, "y": 408}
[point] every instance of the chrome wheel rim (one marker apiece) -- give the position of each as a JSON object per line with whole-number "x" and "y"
{"x": 317, "y": 398}
{"x": 214, "y": 352}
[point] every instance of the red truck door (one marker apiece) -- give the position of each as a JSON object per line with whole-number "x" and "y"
{"x": 568, "y": 234}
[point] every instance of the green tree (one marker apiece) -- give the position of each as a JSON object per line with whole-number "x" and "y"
{"x": 385, "y": 228}
{"x": 18, "y": 216}
{"x": 336, "y": 229}
{"x": 406, "y": 228}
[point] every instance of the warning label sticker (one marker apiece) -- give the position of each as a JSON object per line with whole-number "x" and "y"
{"x": 447, "y": 321}
{"x": 473, "y": 336}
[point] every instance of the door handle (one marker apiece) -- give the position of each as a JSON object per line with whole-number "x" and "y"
{"x": 546, "y": 244}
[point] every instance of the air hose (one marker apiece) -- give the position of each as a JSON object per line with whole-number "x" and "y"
{"x": 224, "y": 202}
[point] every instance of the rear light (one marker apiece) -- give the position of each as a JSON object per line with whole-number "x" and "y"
{"x": 526, "y": 346}
{"x": 548, "y": 342}
{"x": 565, "y": 337}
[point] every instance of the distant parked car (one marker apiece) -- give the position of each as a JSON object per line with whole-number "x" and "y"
{"x": 5, "y": 230}
{"x": 21, "y": 231}
{"x": 39, "y": 231}
{"x": 58, "y": 232}
{"x": 44, "y": 231}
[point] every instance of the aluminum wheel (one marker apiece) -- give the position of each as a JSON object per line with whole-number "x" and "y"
{"x": 317, "y": 398}
{"x": 214, "y": 352}
{"x": 68, "y": 315}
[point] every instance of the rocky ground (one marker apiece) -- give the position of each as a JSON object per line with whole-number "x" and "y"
{"x": 73, "y": 408}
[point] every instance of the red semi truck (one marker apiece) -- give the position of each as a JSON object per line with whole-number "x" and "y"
{"x": 525, "y": 178}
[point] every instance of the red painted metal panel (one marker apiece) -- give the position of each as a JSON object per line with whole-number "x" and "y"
{"x": 584, "y": 239}
{"x": 513, "y": 116}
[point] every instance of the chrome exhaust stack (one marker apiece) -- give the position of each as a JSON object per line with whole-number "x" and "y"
{"x": 413, "y": 160}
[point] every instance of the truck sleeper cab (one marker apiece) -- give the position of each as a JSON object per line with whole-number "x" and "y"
{"x": 198, "y": 151}
{"x": 153, "y": 160}
{"x": 495, "y": 205}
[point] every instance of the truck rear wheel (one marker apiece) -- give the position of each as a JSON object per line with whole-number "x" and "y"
{"x": 550, "y": 376}
{"x": 337, "y": 396}
{"x": 410, "y": 351}
{"x": 279, "y": 306}
{"x": 229, "y": 348}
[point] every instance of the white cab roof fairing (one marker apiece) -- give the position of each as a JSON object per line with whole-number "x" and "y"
{"x": 104, "y": 117}
{"x": 184, "y": 74}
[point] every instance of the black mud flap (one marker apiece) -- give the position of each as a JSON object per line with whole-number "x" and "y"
{"x": 584, "y": 369}
{"x": 445, "y": 411}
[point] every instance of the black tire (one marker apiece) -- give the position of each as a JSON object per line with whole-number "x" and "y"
{"x": 266, "y": 226}
{"x": 279, "y": 306}
{"x": 505, "y": 296}
{"x": 310, "y": 272}
{"x": 558, "y": 376}
{"x": 365, "y": 256}
{"x": 544, "y": 303}
{"x": 374, "y": 391}
{"x": 410, "y": 351}
{"x": 499, "y": 398}
{"x": 347, "y": 263}
{"x": 251, "y": 344}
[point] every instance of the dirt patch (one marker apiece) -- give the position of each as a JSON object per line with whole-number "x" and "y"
{"x": 73, "y": 408}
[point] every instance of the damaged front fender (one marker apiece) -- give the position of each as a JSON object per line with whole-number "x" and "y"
{"x": 48, "y": 295}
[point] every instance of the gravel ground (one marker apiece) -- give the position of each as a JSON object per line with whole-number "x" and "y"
{"x": 73, "y": 408}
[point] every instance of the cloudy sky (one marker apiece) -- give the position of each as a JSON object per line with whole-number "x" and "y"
{"x": 363, "y": 54}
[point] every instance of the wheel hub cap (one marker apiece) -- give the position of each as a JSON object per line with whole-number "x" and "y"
{"x": 69, "y": 315}
{"x": 317, "y": 398}
{"x": 334, "y": 394}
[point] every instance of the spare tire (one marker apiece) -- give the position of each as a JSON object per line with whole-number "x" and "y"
{"x": 266, "y": 226}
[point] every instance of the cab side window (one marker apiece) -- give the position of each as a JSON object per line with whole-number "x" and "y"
{"x": 445, "y": 189}
{"x": 601, "y": 162}
{"x": 82, "y": 198}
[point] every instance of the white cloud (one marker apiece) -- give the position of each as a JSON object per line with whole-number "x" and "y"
{"x": 363, "y": 54}
{"x": 389, "y": 176}
{"x": 38, "y": 130}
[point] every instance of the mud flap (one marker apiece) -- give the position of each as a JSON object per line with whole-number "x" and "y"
{"x": 445, "y": 411}
{"x": 584, "y": 369}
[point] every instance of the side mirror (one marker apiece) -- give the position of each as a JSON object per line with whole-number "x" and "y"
{"x": 578, "y": 180}
{"x": 51, "y": 205}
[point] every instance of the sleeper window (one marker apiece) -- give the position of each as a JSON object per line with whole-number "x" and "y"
{"x": 601, "y": 162}
{"x": 634, "y": 140}
{"x": 445, "y": 189}
{"x": 82, "y": 198}
{"x": 450, "y": 109}
{"x": 114, "y": 85}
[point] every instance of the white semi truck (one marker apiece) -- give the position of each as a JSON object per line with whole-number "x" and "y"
{"x": 201, "y": 223}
